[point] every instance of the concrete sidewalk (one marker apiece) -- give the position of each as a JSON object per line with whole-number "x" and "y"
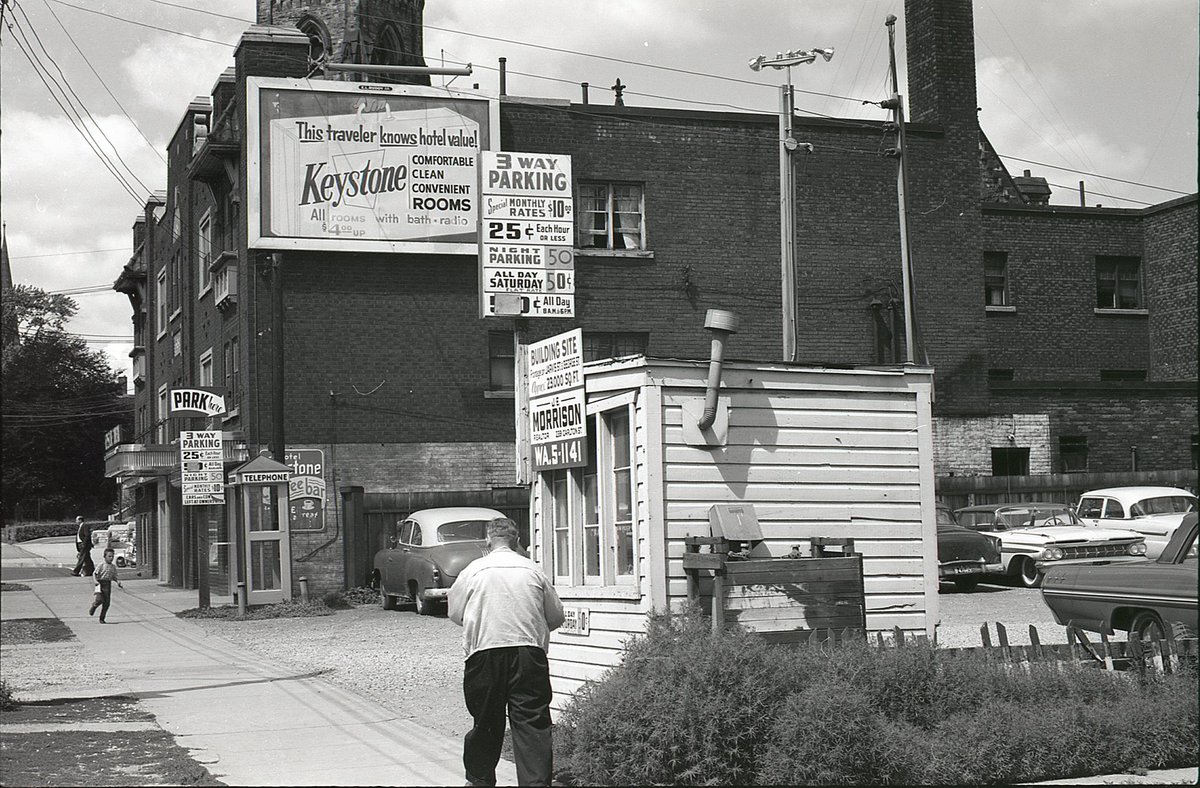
{"x": 250, "y": 723}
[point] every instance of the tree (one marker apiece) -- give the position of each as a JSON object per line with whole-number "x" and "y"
{"x": 59, "y": 400}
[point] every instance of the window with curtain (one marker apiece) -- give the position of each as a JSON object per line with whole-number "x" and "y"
{"x": 160, "y": 303}
{"x": 611, "y": 216}
{"x": 501, "y": 361}
{"x": 612, "y": 344}
{"x": 1118, "y": 283}
{"x": 204, "y": 252}
{"x": 590, "y": 513}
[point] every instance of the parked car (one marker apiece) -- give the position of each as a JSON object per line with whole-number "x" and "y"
{"x": 1154, "y": 512}
{"x": 1143, "y": 598}
{"x": 1036, "y": 535}
{"x": 427, "y": 551}
{"x": 964, "y": 556}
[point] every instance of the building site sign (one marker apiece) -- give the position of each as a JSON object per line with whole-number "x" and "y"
{"x": 201, "y": 460}
{"x": 558, "y": 427}
{"x": 527, "y": 235}
{"x": 344, "y": 166}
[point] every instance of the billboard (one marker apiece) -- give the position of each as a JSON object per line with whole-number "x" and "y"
{"x": 347, "y": 166}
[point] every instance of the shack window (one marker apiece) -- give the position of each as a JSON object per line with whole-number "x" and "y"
{"x": 590, "y": 514}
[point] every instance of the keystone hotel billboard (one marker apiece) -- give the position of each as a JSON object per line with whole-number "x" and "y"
{"x": 373, "y": 167}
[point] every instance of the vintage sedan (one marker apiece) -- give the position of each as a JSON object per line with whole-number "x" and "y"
{"x": 427, "y": 551}
{"x": 1037, "y": 535}
{"x": 1143, "y": 598}
{"x": 1154, "y": 512}
{"x": 964, "y": 556}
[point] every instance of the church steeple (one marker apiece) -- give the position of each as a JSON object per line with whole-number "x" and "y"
{"x": 379, "y": 32}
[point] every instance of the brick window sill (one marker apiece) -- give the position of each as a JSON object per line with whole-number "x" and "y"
{"x": 498, "y": 395}
{"x": 636, "y": 254}
{"x": 1011, "y": 309}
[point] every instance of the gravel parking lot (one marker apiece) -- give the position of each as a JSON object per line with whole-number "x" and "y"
{"x": 413, "y": 664}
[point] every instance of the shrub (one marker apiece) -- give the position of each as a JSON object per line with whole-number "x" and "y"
{"x": 7, "y": 701}
{"x": 362, "y": 595}
{"x": 291, "y": 609}
{"x": 684, "y": 707}
{"x": 25, "y": 532}
{"x": 334, "y": 600}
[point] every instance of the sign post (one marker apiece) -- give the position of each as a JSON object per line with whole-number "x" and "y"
{"x": 526, "y": 235}
{"x": 558, "y": 425}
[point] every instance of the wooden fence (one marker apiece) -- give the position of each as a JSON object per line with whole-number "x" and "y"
{"x": 1160, "y": 655}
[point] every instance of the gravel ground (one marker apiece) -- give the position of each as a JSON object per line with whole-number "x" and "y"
{"x": 413, "y": 664}
{"x": 408, "y": 663}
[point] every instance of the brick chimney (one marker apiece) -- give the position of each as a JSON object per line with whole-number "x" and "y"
{"x": 940, "y": 40}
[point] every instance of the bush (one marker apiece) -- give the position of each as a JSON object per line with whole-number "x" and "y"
{"x": 688, "y": 707}
{"x": 7, "y": 701}
{"x": 24, "y": 532}
{"x": 362, "y": 595}
{"x": 291, "y": 609}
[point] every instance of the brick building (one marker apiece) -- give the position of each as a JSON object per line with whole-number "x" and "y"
{"x": 1061, "y": 337}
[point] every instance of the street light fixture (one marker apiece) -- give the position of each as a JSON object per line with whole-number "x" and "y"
{"x": 787, "y": 214}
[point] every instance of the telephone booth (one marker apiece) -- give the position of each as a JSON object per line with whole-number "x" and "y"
{"x": 258, "y": 516}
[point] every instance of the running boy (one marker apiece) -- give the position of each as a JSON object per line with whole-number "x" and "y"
{"x": 106, "y": 575}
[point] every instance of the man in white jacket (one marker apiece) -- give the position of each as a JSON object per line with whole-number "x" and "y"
{"x": 507, "y": 608}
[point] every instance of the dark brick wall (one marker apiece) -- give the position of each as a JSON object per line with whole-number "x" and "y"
{"x": 1055, "y": 334}
{"x": 1170, "y": 261}
{"x": 1159, "y": 422}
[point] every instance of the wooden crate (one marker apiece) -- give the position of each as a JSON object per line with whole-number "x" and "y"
{"x": 783, "y": 599}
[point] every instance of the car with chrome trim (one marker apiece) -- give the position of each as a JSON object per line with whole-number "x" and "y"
{"x": 1154, "y": 512}
{"x": 426, "y": 551}
{"x": 1039, "y": 534}
{"x": 964, "y": 556}
{"x": 1145, "y": 598}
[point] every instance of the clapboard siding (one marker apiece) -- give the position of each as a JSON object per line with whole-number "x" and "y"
{"x": 819, "y": 453}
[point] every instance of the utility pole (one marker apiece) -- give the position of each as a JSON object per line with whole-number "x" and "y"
{"x": 277, "y": 444}
{"x": 896, "y": 105}
{"x": 787, "y": 185}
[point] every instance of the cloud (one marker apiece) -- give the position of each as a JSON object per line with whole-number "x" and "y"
{"x": 167, "y": 72}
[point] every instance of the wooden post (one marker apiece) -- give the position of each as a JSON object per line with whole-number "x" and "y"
{"x": 1035, "y": 642}
{"x": 1108, "y": 660}
{"x": 1157, "y": 649}
{"x": 1172, "y": 651}
{"x": 1137, "y": 654}
{"x": 899, "y": 633}
{"x": 985, "y": 635}
{"x": 718, "y": 601}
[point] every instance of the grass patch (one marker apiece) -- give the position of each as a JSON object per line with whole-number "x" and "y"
{"x": 115, "y": 708}
{"x": 292, "y": 609}
{"x": 14, "y": 587}
{"x": 687, "y": 707}
{"x": 93, "y": 758}
{"x": 34, "y": 630}
{"x": 7, "y": 701}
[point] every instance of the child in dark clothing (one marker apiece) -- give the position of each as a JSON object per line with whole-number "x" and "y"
{"x": 106, "y": 575}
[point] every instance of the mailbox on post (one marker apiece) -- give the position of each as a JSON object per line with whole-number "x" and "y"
{"x": 259, "y": 516}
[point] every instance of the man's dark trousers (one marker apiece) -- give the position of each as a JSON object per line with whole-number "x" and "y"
{"x": 84, "y": 567}
{"x": 515, "y": 679}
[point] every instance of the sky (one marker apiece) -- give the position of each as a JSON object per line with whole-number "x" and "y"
{"x": 1103, "y": 91}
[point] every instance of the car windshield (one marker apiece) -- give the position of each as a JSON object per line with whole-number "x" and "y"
{"x": 462, "y": 531}
{"x": 945, "y": 518}
{"x": 1165, "y": 504}
{"x": 1035, "y": 516}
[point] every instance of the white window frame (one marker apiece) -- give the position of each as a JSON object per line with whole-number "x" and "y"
{"x": 204, "y": 240}
{"x": 573, "y": 579}
{"x": 205, "y": 374}
{"x": 160, "y": 298}
{"x": 582, "y": 215}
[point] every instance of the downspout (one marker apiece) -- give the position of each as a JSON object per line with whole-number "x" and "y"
{"x": 722, "y": 324}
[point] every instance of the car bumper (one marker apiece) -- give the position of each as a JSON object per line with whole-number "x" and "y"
{"x": 968, "y": 568}
{"x": 436, "y": 593}
{"x": 1115, "y": 559}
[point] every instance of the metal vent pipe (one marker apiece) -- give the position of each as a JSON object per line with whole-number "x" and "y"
{"x": 722, "y": 324}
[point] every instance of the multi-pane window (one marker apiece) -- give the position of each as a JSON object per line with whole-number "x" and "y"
{"x": 160, "y": 303}
{"x": 205, "y": 377}
{"x": 995, "y": 278}
{"x": 611, "y": 344}
{"x": 160, "y": 415}
{"x": 590, "y": 513}
{"x": 611, "y": 216}
{"x": 177, "y": 343}
{"x": 1072, "y": 452}
{"x": 501, "y": 361}
{"x": 1118, "y": 283}
{"x": 204, "y": 252}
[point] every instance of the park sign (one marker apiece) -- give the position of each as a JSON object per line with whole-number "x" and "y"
{"x": 526, "y": 235}
{"x": 365, "y": 167}
{"x": 202, "y": 401}
{"x": 558, "y": 427}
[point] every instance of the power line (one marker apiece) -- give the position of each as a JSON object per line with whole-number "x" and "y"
{"x": 144, "y": 24}
{"x": 64, "y": 82}
{"x": 103, "y": 83}
{"x": 1094, "y": 175}
{"x": 64, "y": 254}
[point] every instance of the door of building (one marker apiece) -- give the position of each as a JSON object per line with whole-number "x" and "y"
{"x": 268, "y": 569}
